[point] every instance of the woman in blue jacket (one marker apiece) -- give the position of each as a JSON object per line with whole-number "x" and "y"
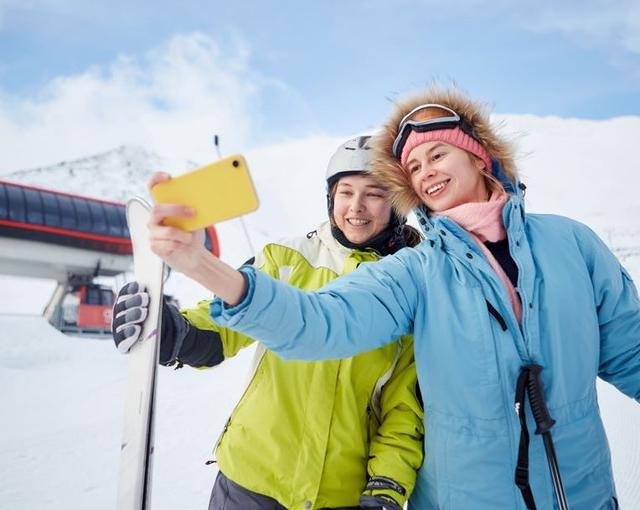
{"x": 502, "y": 304}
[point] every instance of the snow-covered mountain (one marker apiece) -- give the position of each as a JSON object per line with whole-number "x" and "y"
{"x": 114, "y": 175}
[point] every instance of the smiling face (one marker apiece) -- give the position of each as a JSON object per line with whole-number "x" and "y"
{"x": 360, "y": 208}
{"x": 445, "y": 176}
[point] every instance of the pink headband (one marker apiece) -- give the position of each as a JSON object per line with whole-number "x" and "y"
{"x": 454, "y": 136}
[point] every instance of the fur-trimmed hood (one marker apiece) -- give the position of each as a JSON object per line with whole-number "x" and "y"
{"x": 387, "y": 170}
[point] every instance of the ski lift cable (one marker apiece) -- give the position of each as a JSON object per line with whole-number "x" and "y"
{"x": 216, "y": 143}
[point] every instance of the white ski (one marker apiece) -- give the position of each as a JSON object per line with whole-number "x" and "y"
{"x": 134, "y": 484}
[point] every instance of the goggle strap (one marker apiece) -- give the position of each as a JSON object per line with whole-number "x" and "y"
{"x": 468, "y": 129}
{"x": 419, "y": 128}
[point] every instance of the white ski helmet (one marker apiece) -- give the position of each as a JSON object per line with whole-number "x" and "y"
{"x": 351, "y": 158}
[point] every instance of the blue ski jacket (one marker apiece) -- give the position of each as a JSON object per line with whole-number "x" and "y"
{"x": 581, "y": 320}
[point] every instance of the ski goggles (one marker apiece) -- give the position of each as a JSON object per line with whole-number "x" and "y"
{"x": 406, "y": 125}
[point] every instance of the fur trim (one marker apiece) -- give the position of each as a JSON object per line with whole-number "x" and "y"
{"x": 388, "y": 171}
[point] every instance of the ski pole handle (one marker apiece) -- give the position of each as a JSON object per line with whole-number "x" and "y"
{"x": 535, "y": 390}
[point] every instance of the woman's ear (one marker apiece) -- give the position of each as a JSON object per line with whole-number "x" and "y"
{"x": 479, "y": 164}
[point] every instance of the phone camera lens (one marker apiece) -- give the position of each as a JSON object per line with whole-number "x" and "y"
{"x": 236, "y": 163}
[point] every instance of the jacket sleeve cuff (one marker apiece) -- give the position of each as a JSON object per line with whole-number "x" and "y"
{"x": 221, "y": 312}
{"x": 380, "y": 501}
{"x": 386, "y": 489}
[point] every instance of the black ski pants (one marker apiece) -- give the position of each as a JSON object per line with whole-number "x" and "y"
{"x": 228, "y": 495}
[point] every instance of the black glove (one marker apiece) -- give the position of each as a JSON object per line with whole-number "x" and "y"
{"x": 131, "y": 309}
{"x": 380, "y": 502}
{"x": 180, "y": 341}
{"x": 129, "y": 313}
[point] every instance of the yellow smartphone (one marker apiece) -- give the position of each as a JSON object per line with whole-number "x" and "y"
{"x": 217, "y": 192}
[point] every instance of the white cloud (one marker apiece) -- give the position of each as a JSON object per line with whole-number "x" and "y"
{"x": 171, "y": 100}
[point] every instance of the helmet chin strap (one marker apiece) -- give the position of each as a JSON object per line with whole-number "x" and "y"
{"x": 388, "y": 241}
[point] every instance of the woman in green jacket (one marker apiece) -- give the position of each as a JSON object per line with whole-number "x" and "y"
{"x": 309, "y": 435}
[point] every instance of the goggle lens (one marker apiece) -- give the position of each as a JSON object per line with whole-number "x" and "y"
{"x": 407, "y": 125}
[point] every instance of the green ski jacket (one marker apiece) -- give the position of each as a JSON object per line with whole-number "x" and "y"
{"x": 312, "y": 434}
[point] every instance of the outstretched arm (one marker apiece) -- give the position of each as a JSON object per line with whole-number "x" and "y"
{"x": 363, "y": 310}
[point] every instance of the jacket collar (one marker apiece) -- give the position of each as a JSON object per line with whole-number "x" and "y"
{"x": 326, "y": 237}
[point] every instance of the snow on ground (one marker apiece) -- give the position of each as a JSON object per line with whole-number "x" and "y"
{"x": 63, "y": 402}
{"x": 621, "y": 416}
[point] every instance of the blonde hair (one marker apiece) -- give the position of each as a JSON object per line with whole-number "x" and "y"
{"x": 490, "y": 181}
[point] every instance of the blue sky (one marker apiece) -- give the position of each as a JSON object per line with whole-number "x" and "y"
{"x": 328, "y": 67}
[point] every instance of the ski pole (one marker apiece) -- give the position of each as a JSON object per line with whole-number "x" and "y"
{"x": 216, "y": 143}
{"x": 544, "y": 423}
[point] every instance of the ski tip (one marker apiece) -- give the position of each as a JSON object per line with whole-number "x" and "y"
{"x": 138, "y": 201}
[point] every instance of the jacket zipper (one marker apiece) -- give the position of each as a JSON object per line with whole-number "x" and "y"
{"x": 519, "y": 337}
{"x": 228, "y": 422}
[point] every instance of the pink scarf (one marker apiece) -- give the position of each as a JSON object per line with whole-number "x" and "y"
{"x": 483, "y": 220}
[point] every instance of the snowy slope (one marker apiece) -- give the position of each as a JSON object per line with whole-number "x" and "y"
{"x": 63, "y": 397}
{"x": 587, "y": 170}
{"x": 63, "y": 415}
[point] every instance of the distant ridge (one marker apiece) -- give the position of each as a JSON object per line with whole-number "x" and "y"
{"x": 113, "y": 175}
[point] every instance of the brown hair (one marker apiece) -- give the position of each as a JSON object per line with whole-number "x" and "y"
{"x": 412, "y": 236}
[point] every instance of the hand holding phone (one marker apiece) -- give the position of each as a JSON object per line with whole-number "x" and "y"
{"x": 216, "y": 192}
